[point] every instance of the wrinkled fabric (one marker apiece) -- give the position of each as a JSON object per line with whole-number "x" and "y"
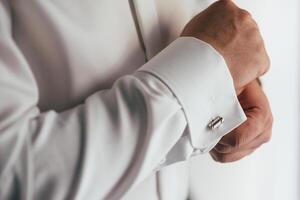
{"x": 91, "y": 108}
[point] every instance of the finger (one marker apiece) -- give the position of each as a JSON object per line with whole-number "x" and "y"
{"x": 244, "y": 134}
{"x": 230, "y": 157}
{"x": 257, "y": 109}
{"x": 234, "y": 141}
{"x": 257, "y": 142}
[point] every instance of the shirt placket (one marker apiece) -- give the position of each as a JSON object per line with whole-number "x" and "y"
{"x": 150, "y": 36}
{"x": 148, "y": 25}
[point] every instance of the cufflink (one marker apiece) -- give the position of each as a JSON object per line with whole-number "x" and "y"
{"x": 216, "y": 123}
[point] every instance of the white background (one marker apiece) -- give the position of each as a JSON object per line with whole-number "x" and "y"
{"x": 272, "y": 172}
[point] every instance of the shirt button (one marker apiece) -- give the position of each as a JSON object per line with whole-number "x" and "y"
{"x": 216, "y": 123}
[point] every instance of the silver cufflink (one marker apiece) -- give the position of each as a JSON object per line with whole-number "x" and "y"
{"x": 216, "y": 122}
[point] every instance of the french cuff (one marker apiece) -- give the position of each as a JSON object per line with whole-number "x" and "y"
{"x": 199, "y": 78}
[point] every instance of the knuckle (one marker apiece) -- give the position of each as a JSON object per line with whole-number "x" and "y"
{"x": 257, "y": 146}
{"x": 268, "y": 138}
{"x": 264, "y": 119}
{"x": 269, "y": 120}
{"x": 226, "y": 5}
{"x": 224, "y": 2}
{"x": 266, "y": 69}
{"x": 244, "y": 15}
{"x": 264, "y": 61}
{"x": 265, "y": 65}
{"x": 263, "y": 70}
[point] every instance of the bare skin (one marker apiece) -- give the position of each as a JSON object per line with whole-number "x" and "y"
{"x": 251, "y": 134}
{"x": 235, "y": 35}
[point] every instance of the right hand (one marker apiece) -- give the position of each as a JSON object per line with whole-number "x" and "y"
{"x": 235, "y": 35}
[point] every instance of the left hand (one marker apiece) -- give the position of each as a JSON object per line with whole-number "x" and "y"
{"x": 251, "y": 134}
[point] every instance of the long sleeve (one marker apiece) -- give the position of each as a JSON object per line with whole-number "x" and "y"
{"x": 117, "y": 137}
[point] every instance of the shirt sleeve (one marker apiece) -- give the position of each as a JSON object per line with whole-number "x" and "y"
{"x": 199, "y": 78}
{"x": 104, "y": 147}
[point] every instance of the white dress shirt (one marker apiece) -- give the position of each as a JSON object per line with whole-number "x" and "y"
{"x": 100, "y": 97}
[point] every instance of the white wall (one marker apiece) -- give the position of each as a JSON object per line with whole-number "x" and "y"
{"x": 272, "y": 172}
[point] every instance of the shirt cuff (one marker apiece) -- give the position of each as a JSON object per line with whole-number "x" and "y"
{"x": 199, "y": 78}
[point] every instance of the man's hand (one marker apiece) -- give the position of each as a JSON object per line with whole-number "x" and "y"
{"x": 235, "y": 35}
{"x": 252, "y": 133}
